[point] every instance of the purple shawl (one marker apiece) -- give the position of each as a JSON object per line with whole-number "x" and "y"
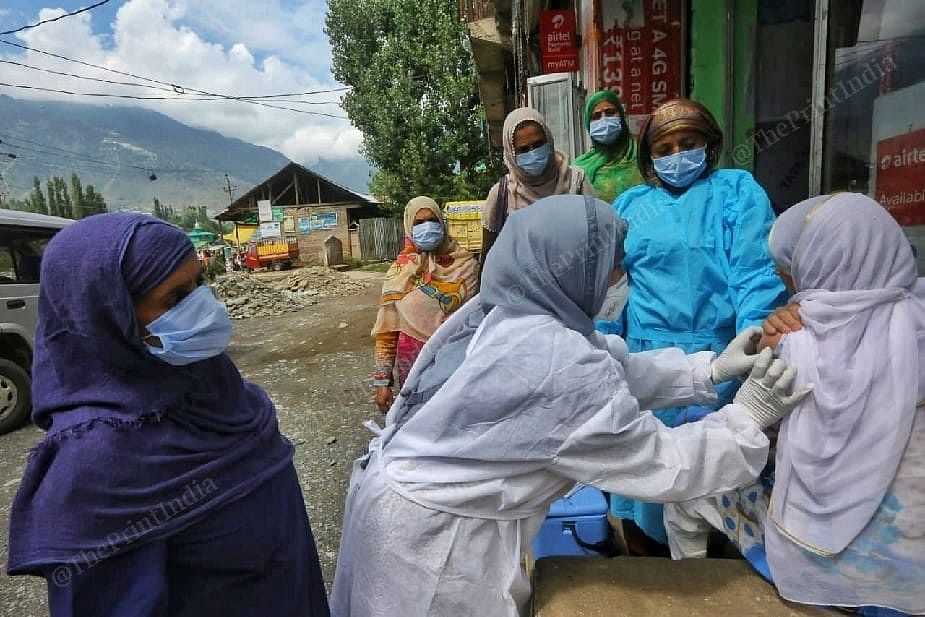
{"x": 136, "y": 449}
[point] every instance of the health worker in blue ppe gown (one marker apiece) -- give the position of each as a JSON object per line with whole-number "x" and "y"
{"x": 697, "y": 261}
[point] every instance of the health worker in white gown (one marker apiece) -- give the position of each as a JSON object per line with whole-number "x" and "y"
{"x": 514, "y": 400}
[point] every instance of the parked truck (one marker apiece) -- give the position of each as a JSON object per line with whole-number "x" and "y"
{"x": 277, "y": 253}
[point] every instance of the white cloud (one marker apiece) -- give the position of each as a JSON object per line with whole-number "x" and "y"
{"x": 343, "y": 144}
{"x": 236, "y": 48}
{"x": 291, "y": 29}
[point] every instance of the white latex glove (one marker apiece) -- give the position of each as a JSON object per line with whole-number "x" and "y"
{"x": 739, "y": 356}
{"x": 768, "y": 394}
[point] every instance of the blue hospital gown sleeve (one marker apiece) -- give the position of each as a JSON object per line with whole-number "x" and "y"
{"x": 755, "y": 287}
{"x": 618, "y": 326}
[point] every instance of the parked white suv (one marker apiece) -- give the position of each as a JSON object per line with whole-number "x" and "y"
{"x": 23, "y": 238}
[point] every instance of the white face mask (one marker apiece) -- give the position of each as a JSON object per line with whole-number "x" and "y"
{"x": 614, "y": 300}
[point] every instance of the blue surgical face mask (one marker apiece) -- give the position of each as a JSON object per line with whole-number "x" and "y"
{"x": 427, "y": 235}
{"x": 606, "y": 130}
{"x": 681, "y": 169}
{"x": 198, "y": 328}
{"x": 535, "y": 161}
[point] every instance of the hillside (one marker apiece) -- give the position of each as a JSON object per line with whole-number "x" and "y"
{"x": 117, "y": 149}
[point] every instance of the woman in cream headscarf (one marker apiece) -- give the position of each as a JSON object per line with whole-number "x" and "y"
{"x": 535, "y": 170}
{"x": 846, "y": 521}
{"x": 432, "y": 277}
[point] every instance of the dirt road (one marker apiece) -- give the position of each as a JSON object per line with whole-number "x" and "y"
{"x": 316, "y": 365}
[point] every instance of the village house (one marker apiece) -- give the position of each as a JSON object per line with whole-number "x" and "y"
{"x": 308, "y": 206}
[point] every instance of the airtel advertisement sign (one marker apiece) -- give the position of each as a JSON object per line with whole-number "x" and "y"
{"x": 559, "y": 41}
{"x": 641, "y": 54}
{"x": 900, "y": 180}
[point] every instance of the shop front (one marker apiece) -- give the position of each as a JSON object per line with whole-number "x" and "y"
{"x": 813, "y": 96}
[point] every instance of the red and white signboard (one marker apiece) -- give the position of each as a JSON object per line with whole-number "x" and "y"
{"x": 559, "y": 41}
{"x": 900, "y": 179}
{"x": 642, "y": 54}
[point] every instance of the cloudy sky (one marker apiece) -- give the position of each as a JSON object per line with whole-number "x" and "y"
{"x": 241, "y": 48}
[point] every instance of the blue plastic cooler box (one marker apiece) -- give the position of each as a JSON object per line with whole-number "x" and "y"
{"x": 583, "y": 511}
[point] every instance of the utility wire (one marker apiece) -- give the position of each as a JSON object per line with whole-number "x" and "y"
{"x": 161, "y": 98}
{"x": 48, "y": 21}
{"x": 65, "y": 154}
{"x": 176, "y": 87}
{"x": 98, "y": 79}
{"x": 77, "y": 159}
{"x": 6, "y": 139}
{"x": 176, "y": 90}
{"x": 74, "y": 165}
{"x": 273, "y": 96}
{"x": 64, "y": 163}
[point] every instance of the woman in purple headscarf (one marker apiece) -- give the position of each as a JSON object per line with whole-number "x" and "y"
{"x": 163, "y": 485}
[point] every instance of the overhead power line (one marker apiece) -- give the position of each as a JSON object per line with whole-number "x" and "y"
{"x": 97, "y": 79}
{"x": 59, "y": 17}
{"x": 273, "y": 96}
{"x": 78, "y": 159}
{"x": 158, "y": 98}
{"x": 176, "y": 87}
{"x": 64, "y": 154}
{"x": 6, "y": 139}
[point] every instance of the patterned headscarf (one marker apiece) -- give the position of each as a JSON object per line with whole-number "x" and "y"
{"x": 678, "y": 115}
{"x": 423, "y": 287}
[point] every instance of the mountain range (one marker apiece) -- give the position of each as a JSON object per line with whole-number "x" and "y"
{"x": 132, "y": 155}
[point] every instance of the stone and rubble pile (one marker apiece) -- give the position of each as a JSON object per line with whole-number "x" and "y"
{"x": 320, "y": 282}
{"x": 248, "y": 295}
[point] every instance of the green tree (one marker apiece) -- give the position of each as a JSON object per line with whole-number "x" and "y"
{"x": 54, "y": 208}
{"x": 93, "y": 202}
{"x": 414, "y": 96}
{"x": 36, "y": 201}
{"x": 76, "y": 198}
{"x": 22, "y": 205}
{"x": 189, "y": 217}
{"x": 63, "y": 198}
{"x": 57, "y": 200}
{"x": 159, "y": 210}
{"x": 166, "y": 213}
{"x": 58, "y": 204}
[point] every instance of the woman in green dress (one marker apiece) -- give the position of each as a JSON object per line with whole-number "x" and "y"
{"x": 610, "y": 165}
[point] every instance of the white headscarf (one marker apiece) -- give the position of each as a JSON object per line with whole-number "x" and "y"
{"x": 839, "y": 450}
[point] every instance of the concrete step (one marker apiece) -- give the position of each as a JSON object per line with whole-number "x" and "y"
{"x": 654, "y": 587}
